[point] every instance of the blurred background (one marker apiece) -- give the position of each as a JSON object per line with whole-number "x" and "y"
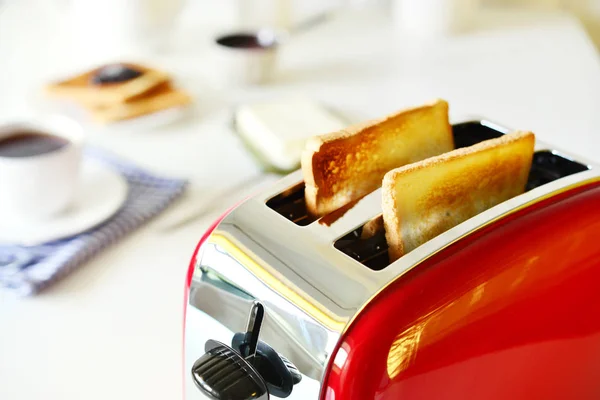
{"x": 588, "y": 11}
{"x": 298, "y": 67}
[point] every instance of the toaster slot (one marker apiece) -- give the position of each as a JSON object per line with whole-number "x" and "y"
{"x": 290, "y": 204}
{"x": 548, "y": 166}
{"x": 469, "y": 133}
{"x": 371, "y": 251}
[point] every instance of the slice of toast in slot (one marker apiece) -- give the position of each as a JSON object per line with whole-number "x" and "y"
{"x": 343, "y": 166}
{"x": 372, "y": 227}
{"x": 160, "y": 98}
{"x": 81, "y": 89}
{"x": 424, "y": 199}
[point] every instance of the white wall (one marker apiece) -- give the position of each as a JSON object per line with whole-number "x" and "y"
{"x": 588, "y": 11}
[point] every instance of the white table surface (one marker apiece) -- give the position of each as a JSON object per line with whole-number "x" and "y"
{"x": 112, "y": 330}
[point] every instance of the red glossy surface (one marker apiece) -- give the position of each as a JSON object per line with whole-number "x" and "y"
{"x": 190, "y": 271}
{"x": 512, "y": 312}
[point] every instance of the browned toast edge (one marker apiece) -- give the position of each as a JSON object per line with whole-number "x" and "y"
{"x": 317, "y": 186}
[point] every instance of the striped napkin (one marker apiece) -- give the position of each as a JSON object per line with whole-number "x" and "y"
{"x": 27, "y": 270}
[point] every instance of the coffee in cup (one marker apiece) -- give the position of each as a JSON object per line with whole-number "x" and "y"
{"x": 39, "y": 167}
{"x": 28, "y": 143}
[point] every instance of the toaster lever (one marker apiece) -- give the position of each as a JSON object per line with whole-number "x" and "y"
{"x": 279, "y": 374}
{"x": 255, "y": 319}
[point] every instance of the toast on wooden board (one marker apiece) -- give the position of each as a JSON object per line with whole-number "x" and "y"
{"x": 344, "y": 166}
{"x": 426, "y": 198}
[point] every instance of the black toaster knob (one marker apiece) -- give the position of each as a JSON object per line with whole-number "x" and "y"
{"x": 222, "y": 374}
{"x": 293, "y": 370}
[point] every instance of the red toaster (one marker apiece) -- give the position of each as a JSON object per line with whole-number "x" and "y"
{"x": 505, "y": 305}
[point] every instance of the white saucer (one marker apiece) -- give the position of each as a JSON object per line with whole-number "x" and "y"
{"x": 101, "y": 194}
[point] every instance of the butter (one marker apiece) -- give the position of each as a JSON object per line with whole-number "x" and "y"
{"x": 278, "y": 130}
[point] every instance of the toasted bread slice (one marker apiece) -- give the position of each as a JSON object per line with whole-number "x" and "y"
{"x": 424, "y": 199}
{"x": 160, "y": 98}
{"x": 344, "y": 166}
{"x": 81, "y": 90}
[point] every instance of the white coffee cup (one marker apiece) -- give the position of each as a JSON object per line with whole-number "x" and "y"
{"x": 246, "y": 58}
{"x": 41, "y": 185}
